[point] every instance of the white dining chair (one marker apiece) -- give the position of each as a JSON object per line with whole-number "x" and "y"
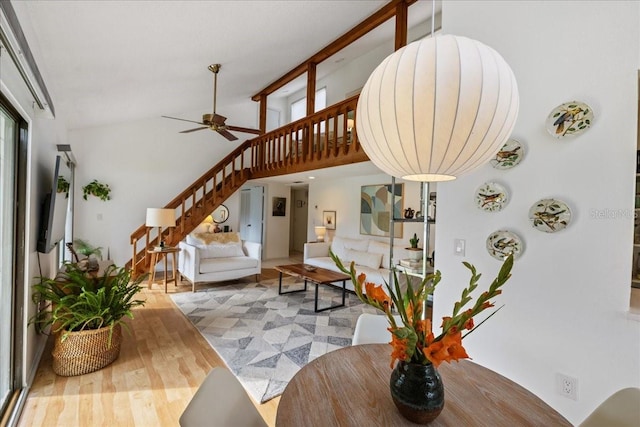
{"x": 372, "y": 329}
{"x": 621, "y": 409}
{"x": 221, "y": 401}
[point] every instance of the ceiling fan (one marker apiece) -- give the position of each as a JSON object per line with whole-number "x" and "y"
{"x": 215, "y": 121}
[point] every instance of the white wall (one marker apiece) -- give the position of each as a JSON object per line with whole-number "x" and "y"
{"x": 567, "y": 302}
{"x": 146, "y": 163}
{"x": 44, "y": 134}
{"x": 276, "y": 232}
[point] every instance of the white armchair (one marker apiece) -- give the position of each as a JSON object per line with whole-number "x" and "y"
{"x": 218, "y": 262}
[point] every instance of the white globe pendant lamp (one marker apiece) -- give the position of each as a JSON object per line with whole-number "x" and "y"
{"x": 437, "y": 108}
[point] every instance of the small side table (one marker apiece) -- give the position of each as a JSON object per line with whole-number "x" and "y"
{"x": 157, "y": 256}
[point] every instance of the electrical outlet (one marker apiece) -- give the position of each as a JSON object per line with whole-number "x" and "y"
{"x": 567, "y": 386}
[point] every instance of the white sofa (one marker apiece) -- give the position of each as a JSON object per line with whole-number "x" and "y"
{"x": 214, "y": 257}
{"x": 371, "y": 257}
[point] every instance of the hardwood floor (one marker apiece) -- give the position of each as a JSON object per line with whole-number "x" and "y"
{"x": 161, "y": 365}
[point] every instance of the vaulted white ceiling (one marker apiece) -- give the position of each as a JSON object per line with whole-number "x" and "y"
{"x": 106, "y": 62}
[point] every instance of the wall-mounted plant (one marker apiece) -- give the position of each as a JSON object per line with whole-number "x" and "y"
{"x": 98, "y": 189}
{"x": 63, "y": 186}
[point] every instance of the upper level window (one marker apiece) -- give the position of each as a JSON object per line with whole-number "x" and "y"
{"x": 299, "y": 107}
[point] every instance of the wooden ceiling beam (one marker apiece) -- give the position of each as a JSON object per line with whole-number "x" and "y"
{"x": 384, "y": 14}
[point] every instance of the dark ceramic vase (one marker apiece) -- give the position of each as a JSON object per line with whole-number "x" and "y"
{"x": 417, "y": 391}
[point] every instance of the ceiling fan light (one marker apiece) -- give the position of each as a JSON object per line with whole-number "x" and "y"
{"x": 437, "y": 108}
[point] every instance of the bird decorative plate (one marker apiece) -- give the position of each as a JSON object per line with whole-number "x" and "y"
{"x": 502, "y": 243}
{"x": 509, "y": 155}
{"x": 491, "y": 197}
{"x": 570, "y": 118}
{"x": 549, "y": 215}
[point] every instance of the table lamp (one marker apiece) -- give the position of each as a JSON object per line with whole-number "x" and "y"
{"x": 158, "y": 217}
{"x": 320, "y": 231}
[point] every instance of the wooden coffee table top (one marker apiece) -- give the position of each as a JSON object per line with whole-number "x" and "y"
{"x": 320, "y": 275}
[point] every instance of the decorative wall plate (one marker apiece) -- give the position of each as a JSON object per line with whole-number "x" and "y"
{"x": 509, "y": 155}
{"x": 550, "y": 215}
{"x": 491, "y": 197}
{"x": 570, "y": 118}
{"x": 501, "y": 243}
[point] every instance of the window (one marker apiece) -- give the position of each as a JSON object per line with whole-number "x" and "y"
{"x": 299, "y": 107}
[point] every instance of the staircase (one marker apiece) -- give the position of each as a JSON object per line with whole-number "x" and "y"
{"x": 322, "y": 140}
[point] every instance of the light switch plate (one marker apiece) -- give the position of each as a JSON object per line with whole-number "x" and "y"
{"x": 459, "y": 246}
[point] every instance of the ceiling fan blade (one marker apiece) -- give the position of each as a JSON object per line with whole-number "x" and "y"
{"x": 193, "y": 130}
{"x": 228, "y": 135}
{"x": 218, "y": 119}
{"x": 245, "y": 130}
{"x": 184, "y": 120}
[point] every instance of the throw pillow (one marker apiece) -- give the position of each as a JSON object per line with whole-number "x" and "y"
{"x": 208, "y": 238}
{"x": 382, "y": 248}
{"x": 340, "y": 245}
{"x": 366, "y": 259}
{"x": 224, "y": 250}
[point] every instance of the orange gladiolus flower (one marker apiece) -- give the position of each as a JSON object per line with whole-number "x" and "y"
{"x": 487, "y": 304}
{"x": 447, "y": 349}
{"x": 423, "y": 326}
{"x": 377, "y": 294}
{"x": 399, "y": 351}
{"x": 468, "y": 325}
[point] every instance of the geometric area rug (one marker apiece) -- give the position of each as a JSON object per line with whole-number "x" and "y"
{"x": 265, "y": 338}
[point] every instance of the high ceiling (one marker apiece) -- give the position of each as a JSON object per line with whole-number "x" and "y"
{"x": 107, "y": 62}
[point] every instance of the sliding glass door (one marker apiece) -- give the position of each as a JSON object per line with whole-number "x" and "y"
{"x": 13, "y": 134}
{"x": 7, "y": 197}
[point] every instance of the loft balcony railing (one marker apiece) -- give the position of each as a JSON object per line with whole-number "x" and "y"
{"x": 324, "y": 139}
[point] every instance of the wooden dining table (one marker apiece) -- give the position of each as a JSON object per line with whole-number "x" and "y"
{"x": 350, "y": 387}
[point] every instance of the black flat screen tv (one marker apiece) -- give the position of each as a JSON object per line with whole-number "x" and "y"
{"x": 53, "y": 216}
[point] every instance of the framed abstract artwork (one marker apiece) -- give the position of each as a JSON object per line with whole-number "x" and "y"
{"x": 376, "y": 204}
{"x": 279, "y": 206}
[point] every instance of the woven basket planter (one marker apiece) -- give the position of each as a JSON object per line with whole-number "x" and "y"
{"x": 85, "y": 351}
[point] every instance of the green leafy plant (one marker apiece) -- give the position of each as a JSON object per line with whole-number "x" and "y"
{"x": 97, "y": 189}
{"x": 85, "y": 248}
{"x": 63, "y": 186}
{"x": 414, "y": 241}
{"x": 81, "y": 301}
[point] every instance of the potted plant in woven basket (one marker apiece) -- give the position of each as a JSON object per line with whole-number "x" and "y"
{"x": 86, "y": 312}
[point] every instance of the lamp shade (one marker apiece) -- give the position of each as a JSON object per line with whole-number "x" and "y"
{"x": 437, "y": 108}
{"x": 320, "y": 231}
{"x": 350, "y": 124}
{"x": 157, "y": 217}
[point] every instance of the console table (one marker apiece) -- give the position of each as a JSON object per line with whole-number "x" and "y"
{"x": 159, "y": 255}
{"x": 350, "y": 387}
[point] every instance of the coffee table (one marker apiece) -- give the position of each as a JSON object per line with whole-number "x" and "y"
{"x": 319, "y": 276}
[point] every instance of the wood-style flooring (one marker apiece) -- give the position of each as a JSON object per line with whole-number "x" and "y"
{"x": 161, "y": 365}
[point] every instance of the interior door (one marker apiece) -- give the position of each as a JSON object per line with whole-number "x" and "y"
{"x": 251, "y": 213}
